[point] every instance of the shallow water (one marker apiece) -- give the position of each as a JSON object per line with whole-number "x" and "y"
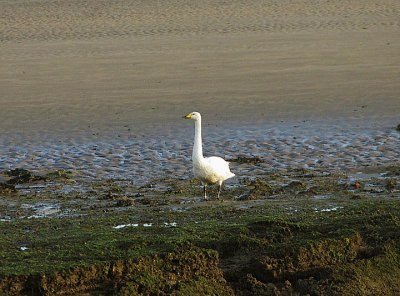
{"x": 140, "y": 158}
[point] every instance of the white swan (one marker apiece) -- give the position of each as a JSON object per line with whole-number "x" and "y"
{"x": 208, "y": 170}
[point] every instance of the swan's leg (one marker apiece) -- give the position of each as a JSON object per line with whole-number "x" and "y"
{"x": 205, "y": 191}
{"x": 219, "y": 189}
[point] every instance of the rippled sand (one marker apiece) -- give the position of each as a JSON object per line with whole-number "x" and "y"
{"x": 81, "y": 20}
{"x": 144, "y": 159}
{"x": 99, "y": 87}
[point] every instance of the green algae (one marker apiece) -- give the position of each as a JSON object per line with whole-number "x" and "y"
{"x": 280, "y": 241}
{"x": 378, "y": 275}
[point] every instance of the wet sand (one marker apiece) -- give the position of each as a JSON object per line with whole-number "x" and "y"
{"x": 100, "y": 87}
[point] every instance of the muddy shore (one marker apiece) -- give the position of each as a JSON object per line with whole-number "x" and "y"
{"x": 96, "y": 190}
{"x": 293, "y": 233}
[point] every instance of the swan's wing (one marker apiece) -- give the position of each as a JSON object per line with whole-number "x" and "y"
{"x": 219, "y": 166}
{"x": 217, "y": 162}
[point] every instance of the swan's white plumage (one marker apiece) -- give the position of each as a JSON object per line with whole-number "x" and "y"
{"x": 208, "y": 170}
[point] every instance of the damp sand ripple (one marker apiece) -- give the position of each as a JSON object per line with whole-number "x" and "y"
{"x": 143, "y": 159}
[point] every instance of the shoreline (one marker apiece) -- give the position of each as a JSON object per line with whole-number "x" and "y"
{"x": 143, "y": 158}
{"x": 96, "y": 189}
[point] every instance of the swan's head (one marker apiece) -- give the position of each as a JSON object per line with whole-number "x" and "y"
{"x": 193, "y": 115}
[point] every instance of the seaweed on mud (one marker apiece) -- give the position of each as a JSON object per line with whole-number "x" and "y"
{"x": 16, "y": 177}
{"x": 390, "y": 184}
{"x": 270, "y": 241}
{"x": 186, "y": 270}
{"x": 376, "y": 185}
{"x": 21, "y": 176}
{"x": 246, "y": 159}
{"x": 256, "y": 189}
{"x": 309, "y": 265}
{"x": 182, "y": 187}
{"x": 299, "y": 187}
{"x": 377, "y": 275}
{"x": 59, "y": 174}
{"x": 294, "y": 187}
{"x": 264, "y": 255}
{"x": 324, "y": 187}
{"x": 125, "y": 201}
{"x": 7, "y": 188}
{"x": 392, "y": 171}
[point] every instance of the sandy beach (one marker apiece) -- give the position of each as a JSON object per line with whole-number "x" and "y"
{"x": 120, "y": 74}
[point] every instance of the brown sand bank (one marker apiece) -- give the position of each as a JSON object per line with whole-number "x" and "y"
{"x": 102, "y": 65}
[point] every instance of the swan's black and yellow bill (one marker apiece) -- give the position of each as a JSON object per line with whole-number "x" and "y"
{"x": 188, "y": 116}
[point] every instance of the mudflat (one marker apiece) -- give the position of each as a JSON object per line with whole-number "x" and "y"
{"x": 119, "y": 75}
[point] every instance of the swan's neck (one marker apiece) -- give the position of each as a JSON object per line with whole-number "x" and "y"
{"x": 198, "y": 147}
